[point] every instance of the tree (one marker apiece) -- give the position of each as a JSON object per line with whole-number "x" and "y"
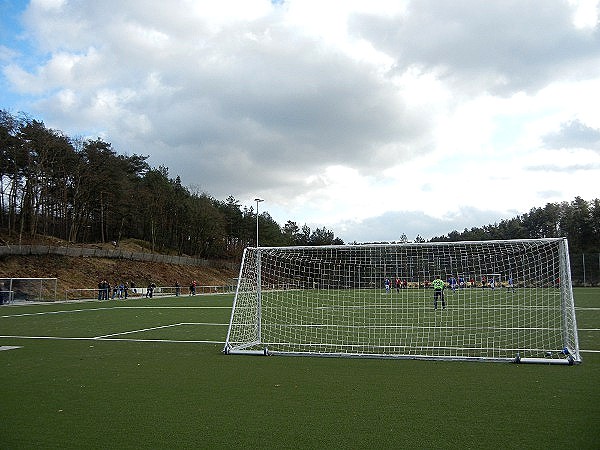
{"x": 82, "y": 189}
{"x": 269, "y": 231}
{"x": 12, "y": 164}
{"x": 235, "y": 228}
{"x": 290, "y": 232}
{"x": 576, "y": 223}
{"x": 303, "y": 238}
{"x": 323, "y": 236}
{"x": 207, "y": 231}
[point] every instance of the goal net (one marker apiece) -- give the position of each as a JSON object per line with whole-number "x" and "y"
{"x": 378, "y": 301}
{"x": 27, "y": 289}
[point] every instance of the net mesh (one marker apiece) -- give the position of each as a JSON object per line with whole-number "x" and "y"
{"x": 501, "y": 299}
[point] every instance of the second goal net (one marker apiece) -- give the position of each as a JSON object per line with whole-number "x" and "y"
{"x": 27, "y": 289}
{"x": 501, "y": 300}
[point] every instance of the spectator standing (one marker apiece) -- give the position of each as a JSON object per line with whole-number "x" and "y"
{"x": 150, "y": 290}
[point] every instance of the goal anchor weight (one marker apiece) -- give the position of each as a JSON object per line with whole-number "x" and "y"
{"x": 565, "y": 362}
{"x": 569, "y": 361}
{"x": 231, "y": 351}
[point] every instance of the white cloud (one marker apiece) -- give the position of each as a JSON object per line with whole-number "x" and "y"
{"x": 574, "y": 134}
{"x": 366, "y": 117}
{"x": 585, "y": 13}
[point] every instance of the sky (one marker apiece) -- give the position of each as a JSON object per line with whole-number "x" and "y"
{"x": 374, "y": 119}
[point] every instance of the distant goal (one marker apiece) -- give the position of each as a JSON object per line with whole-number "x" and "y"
{"x": 378, "y": 301}
{"x": 27, "y": 289}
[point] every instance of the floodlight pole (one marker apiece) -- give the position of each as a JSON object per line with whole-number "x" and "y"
{"x": 257, "y": 200}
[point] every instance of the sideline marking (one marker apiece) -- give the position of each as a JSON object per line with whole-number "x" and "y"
{"x": 42, "y": 313}
{"x": 110, "y": 339}
{"x": 174, "y": 341}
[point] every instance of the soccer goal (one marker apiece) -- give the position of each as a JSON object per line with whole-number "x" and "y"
{"x": 332, "y": 301}
{"x": 27, "y": 289}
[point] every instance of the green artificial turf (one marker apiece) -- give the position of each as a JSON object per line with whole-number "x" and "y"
{"x": 141, "y": 388}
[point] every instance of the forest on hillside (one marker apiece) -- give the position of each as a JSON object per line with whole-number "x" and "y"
{"x": 578, "y": 221}
{"x": 82, "y": 190}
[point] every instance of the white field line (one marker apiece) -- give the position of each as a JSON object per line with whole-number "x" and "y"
{"x": 138, "y": 331}
{"x": 56, "y": 338}
{"x": 112, "y": 338}
{"x": 109, "y": 337}
{"x": 166, "y": 340}
{"x": 156, "y": 328}
{"x": 170, "y": 341}
{"x": 42, "y": 313}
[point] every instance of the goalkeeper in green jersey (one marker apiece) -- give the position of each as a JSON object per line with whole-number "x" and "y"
{"x": 438, "y": 292}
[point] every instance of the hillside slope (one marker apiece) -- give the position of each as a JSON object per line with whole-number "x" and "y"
{"x": 82, "y": 273}
{"x": 85, "y": 273}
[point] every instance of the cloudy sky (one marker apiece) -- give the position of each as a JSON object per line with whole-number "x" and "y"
{"x": 371, "y": 118}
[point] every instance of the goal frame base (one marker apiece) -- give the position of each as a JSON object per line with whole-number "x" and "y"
{"x": 569, "y": 361}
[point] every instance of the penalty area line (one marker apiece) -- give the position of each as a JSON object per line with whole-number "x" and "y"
{"x": 137, "y": 331}
{"x": 158, "y": 328}
{"x": 161, "y": 340}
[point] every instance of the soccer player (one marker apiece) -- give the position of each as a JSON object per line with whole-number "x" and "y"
{"x": 452, "y": 283}
{"x": 438, "y": 292}
{"x": 387, "y": 285}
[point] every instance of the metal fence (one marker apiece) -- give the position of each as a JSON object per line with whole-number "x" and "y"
{"x": 585, "y": 269}
{"x": 158, "y": 291}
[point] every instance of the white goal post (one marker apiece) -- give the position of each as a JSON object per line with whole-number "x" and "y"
{"x": 378, "y": 301}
